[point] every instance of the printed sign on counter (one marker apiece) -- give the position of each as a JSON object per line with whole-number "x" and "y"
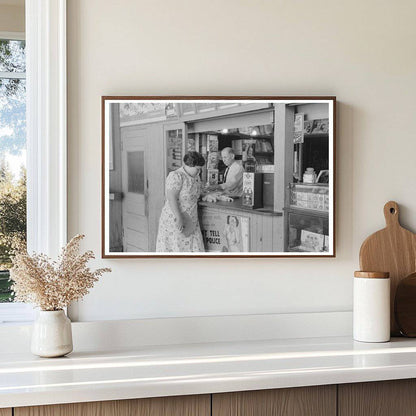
{"x": 225, "y": 233}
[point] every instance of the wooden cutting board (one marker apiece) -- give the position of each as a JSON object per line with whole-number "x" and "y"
{"x": 405, "y": 306}
{"x": 392, "y": 250}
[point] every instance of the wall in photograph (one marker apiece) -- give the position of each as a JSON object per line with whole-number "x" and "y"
{"x": 133, "y": 113}
{"x": 358, "y": 51}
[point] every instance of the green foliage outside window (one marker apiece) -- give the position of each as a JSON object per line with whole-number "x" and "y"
{"x": 12, "y": 144}
{"x": 12, "y": 222}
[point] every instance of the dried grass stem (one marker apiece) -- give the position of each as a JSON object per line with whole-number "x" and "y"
{"x": 53, "y": 285}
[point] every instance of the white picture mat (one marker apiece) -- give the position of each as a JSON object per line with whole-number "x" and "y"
{"x": 331, "y": 141}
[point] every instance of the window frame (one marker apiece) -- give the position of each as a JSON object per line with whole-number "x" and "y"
{"x": 46, "y": 126}
{"x": 12, "y": 35}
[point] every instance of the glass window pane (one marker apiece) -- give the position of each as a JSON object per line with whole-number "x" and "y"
{"x": 135, "y": 172}
{"x": 12, "y": 174}
{"x": 174, "y": 150}
{"x": 12, "y": 55}
{"x": 308, "y": 232}
{"x": 12, "y": 116}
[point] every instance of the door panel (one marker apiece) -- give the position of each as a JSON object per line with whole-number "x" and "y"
{"x": 380, "y": 398}
{"x": 133, "y": 221}
{"x": 135, "y": 172}
{"x": 137, "y": 239}
{"x": 134, "y": 179}
{"x": 135, "y": 189}
{"x": 134, "y": 205}
{"x": 160, "y": 406}
{"x": 299, "y": 401}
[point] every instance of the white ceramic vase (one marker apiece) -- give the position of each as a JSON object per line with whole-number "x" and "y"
{"x": 52, "y": 334}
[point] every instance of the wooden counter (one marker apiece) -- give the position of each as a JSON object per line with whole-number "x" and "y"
{"x": 265, "y": 227}
{"x": 237, "y": 206}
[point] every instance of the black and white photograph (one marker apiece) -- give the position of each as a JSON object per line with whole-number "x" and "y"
{"x": 218, "y": 176}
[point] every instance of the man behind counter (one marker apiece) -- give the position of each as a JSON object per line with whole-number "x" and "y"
{"x": 233, "y": 176}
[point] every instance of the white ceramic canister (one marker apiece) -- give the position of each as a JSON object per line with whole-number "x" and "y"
{"x": 371, "y": 307}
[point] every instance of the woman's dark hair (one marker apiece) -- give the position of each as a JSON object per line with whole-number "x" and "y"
{"x": 193, "y": 159}
{"x": 236, "y": 220}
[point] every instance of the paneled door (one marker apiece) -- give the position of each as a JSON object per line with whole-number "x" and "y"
{"x": 135, "y": 189}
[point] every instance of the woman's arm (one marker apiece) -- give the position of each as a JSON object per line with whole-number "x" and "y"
{"x": 172, "y": 196}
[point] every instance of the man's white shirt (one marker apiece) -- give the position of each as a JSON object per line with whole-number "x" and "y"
{"x": 233, "y": 185}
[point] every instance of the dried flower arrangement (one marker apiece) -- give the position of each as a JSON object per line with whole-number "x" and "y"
{"x": 52, "y": 285}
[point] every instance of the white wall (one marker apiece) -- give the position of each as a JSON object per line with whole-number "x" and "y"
{"x": 361, "y": 51}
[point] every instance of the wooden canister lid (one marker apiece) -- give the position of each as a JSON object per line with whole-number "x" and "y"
{"x": 372, "y": 275}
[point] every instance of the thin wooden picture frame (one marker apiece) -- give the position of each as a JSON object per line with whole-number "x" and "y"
{"x": 151, "y": 134}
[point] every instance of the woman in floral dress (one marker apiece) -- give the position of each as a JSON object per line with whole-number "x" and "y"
{"x": 179, "y": 229}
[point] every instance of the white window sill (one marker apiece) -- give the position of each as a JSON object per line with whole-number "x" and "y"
{"x": 16, "y": 313}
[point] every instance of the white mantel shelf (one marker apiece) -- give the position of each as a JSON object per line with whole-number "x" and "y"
{"x": 150, "y": 371}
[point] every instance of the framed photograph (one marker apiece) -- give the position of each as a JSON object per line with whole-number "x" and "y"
{"x": 218, "y": 177}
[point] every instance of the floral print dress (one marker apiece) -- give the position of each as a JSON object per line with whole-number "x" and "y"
{"x": 169, "y": 238}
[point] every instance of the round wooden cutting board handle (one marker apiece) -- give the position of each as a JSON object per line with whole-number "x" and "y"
{"x": 391, "y": 214}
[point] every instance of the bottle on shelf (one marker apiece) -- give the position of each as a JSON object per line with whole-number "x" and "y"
{"x": 309, "y": 176}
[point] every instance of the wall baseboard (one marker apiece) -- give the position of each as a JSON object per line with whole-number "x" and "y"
{"x": 112, "y": 335}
